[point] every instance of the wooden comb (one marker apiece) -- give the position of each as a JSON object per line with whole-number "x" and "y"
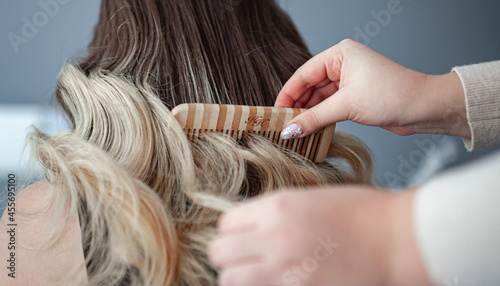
{"x": 236, "y": 120}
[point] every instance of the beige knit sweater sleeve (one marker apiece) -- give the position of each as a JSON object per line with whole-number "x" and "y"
{"x": 481, "y": 84}
{"x": 457, "y": 214}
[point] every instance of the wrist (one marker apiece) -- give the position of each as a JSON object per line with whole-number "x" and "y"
{"x": 404, "y": 262}
{"x": 383, "y": 233}
{"x": 445, "y": 106}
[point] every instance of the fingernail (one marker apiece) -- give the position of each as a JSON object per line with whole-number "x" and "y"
{"x": 291, "y": 131}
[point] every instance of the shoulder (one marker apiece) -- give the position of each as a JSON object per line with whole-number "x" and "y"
{"x": 24, "y": 227}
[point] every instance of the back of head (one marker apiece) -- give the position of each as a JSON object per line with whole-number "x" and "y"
{"x": 147, "y": 198}
{"x": 224, "y": 51}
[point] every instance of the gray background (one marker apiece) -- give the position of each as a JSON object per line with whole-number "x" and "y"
{"x": 428, "y": 36}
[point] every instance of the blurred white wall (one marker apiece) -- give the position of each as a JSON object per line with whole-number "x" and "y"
{"x": 16, "y": 120}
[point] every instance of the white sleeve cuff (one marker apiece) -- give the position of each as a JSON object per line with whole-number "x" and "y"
{"x": 481, "y": 83}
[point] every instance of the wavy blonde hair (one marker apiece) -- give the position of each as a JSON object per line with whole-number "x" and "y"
{"x": 147, "y": 198}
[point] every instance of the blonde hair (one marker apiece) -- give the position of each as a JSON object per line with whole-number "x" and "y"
{"x": 147, "y": 198}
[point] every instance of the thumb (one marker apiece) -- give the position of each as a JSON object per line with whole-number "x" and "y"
{"x": 325, "y": 113}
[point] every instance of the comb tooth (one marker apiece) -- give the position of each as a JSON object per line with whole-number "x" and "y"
{"x": 309, "y": 145}
{"x": 272, "y": 135}
{"x": 313, "y": 155}
{"x": 280, "y": 141}
{"x": 295, "y": 144}
{"x": 283, "y": 142}
{"x": 292, "y": 143}
{"x": 289, "y": 144}
{"x": 313, "y": 146}
{"x": 316, "y": 144}
{"x": 299, "y": 145}
{"x": 304, "y": 146}
{"x": 286, "y": 143}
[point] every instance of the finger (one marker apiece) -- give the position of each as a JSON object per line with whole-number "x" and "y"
{"x": 233, "y": 250}
{"x": 321, "y": 94}
{"x": 243, "y": 218}
{"x": 304, "y": 99}
{"x": 324, "y": 83}
{"x": 330, "y": 111}
{"x": 258, "y": 274}
{"x": 311, "y": 73}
